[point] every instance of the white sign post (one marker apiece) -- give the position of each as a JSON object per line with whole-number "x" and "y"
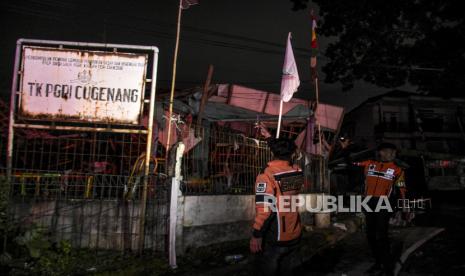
{"x": 174, "y": 205}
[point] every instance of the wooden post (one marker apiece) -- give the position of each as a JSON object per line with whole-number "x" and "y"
{"x": 204, "y": 99}
{"x": 316, "y": 116}
{"x": 333, "y": 143}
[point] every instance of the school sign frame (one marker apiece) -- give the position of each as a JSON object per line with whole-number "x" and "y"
{"x": 80, "y": 86}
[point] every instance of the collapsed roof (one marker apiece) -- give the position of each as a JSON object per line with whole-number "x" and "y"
{"x": 235, "y": 103}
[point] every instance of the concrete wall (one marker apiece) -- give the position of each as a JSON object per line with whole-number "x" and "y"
{"x": 90, "y": 224}
{"x": 205, "y": 220}
{"x": 201, "y": 221}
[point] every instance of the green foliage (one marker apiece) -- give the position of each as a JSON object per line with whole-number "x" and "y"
{"x": 391, "y": 43}
{"x": 34, "y": 240}
{"x": 36, "y": 254}
{"x": 5, "y": 224}
{"x": 31, "y": 250}
{"x": 57, "y": 261}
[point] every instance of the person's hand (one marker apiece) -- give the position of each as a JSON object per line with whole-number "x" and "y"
{"x": 263, "y": 131}
{"x": 255, "y": 245}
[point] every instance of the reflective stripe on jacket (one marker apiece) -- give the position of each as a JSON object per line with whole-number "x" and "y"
{"x": 381, "y": 177}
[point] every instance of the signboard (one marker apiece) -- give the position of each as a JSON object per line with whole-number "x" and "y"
{"x": 82, "y": 85}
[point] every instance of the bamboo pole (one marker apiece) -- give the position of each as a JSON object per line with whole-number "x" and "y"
{"x": 204, "y": 99}
{"x": 173, "y": 79}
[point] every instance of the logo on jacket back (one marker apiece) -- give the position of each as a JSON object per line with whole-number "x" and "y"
{"x": 292, "y": 181}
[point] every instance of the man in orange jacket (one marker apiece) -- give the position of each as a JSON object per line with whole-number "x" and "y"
{"x": 383, "y": 178}
{"x": 276, "y": 232}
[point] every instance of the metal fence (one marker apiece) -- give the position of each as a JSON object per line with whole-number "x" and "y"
{"x": 58, "y": 185}
{"x": 108, "y": 153}
{"x": 109, "y": 166}
{"x": 223, "y": 162}
{"x": 86, "y": 188}
{"x": 90, "y": 210}
{"x": 227, "y": 162}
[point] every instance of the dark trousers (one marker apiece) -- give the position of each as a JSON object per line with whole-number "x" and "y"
{"x": 276, "y": 260}
{"x": 377, "y": 226}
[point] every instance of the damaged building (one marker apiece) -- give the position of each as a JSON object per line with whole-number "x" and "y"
{"x": 86, "y": 187}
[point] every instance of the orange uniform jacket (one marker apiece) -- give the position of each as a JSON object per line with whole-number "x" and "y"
{"x": 279, "y": 178}
{"x": 381, "y": 177}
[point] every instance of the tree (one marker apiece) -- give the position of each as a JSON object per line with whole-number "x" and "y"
{"x": 391, "y": 43}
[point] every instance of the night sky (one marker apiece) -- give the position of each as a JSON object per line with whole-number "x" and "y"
{"x": 243, "y": 39}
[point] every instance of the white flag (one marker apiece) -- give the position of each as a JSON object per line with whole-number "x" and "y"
{"x": 185, "y": 4}
{"x": 290, "y": 80}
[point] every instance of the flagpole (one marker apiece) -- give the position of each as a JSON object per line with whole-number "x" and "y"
{"x": 314, "y": 76}
{"x": 314, "y": 46}
{"x": 173, "y": 81}
{"x": 172, "y": 232}
{"x": 321, "y": 165}
{"x": 279, "y": 118}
